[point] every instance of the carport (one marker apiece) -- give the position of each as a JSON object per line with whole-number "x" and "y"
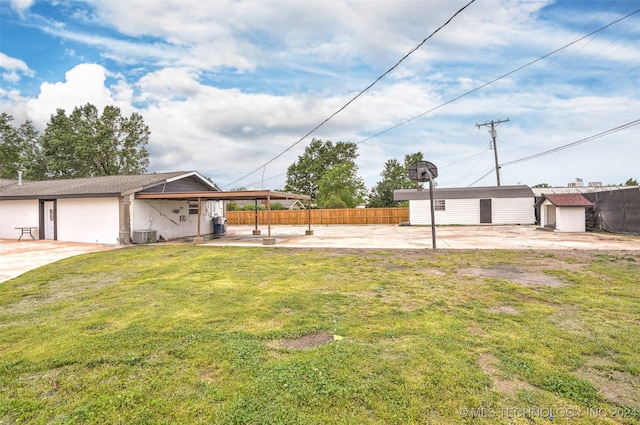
{"x": 255, "y": 195}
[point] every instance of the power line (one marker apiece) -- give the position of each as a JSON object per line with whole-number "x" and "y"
{"x": 568, "y": 145}
{"x": 358, "y": 95}
{"x": 579, "y": 142}
{"x": 460, "y": 96}
{"x": 498, "y": 78}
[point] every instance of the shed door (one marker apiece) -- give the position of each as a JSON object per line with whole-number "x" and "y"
{"x": 485, "y": 211}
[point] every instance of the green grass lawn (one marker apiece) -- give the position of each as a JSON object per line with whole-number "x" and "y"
{"x": 181, "y": 334}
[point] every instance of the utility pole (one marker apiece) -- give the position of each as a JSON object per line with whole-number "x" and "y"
{"x": 494, "y": 135}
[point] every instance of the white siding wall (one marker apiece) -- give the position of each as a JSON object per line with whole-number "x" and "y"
{"x": 91, "y": 220}
{"x": 18, "y": 214}
{"x": 467, "y": 211}
{"x": 513, "y": 211}
{"x": 159, "y": 215}
{"x": 457, "y": 211}
{"x": 570, "y": 219}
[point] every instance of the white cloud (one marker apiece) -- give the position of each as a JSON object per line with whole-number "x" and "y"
{"x": 226, "y": 85}
{"x": 15, "y": 68}
{"x": 83, "y": 84}
{"x": 21, "y": 6}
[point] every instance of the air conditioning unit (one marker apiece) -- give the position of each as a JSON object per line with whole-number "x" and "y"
{"x": 144, "y": 236}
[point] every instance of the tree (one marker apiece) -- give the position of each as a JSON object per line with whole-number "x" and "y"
{"x": 334, "y": 202}
{"x": 19, "y": 150}
{"x": 10, "y": 147}
{"x": 318, "y": 158}
{"x": 342, "y": 181}
{"x": 86, "y": 144}
{"x": 631, "y": 182}
{"x": 394, "y": 176}
{"x": 540, "y": 185}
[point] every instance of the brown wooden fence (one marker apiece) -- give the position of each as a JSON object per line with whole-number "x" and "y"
{"x": 337, "y": 216}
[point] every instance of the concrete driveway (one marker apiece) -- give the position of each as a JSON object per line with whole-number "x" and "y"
{"x": 419, "y": 237}
{"x": 18, "y": 257}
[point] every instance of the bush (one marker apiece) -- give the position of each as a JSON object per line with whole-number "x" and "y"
{"x": 334, "y": 202}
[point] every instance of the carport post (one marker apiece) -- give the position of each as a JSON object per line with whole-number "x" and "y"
{"x": 268, "y": 215}
{"x": 309, "y": 232}
{"x": 256, "y": 214}
{"x": 199, "y": 215}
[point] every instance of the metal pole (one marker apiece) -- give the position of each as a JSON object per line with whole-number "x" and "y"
{"x": 269, "y": 214}
{"x": 199, "y": 215}
{"x": 433, "y": 211}
{"x": 256, "y": 214}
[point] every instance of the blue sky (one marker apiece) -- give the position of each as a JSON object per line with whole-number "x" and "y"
{"x": 226, "y": 86}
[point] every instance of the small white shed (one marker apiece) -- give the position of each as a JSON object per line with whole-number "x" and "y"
{"x": 563, "y": 212}
{"x": 470, "y": 205}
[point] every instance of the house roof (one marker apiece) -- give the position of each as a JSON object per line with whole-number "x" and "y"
{"x": 565, "y": 200}
{"x": 104, "y": 186}
{"x": 516, "y": 191}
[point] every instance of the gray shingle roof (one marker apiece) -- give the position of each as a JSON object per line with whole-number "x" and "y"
{"x": 516, "y": 191}
{"x": 85, "y": 187}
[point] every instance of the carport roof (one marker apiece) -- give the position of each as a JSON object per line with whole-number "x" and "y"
{"x": 225, "y": 196}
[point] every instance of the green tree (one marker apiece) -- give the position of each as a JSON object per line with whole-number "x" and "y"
{"x": 10, "y": 147}
{"x": 19, "y": 149}
{"x": 318, "y": 158}
{"x": 631, "y": 182}
{"x": 541, "y": 185}
{"x": 394, "y": 176}
{"x": 342, "y": 181}
{"x": 87, "y": 144}
{"x": 334, "y": 202}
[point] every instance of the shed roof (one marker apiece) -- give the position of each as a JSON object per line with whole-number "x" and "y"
{"x": 103, "y": 186}
{"x": 565, "y": 200}
{"x": 488, "y": 192}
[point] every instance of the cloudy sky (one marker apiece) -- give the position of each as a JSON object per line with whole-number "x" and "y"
{"x": 227, "y": 86}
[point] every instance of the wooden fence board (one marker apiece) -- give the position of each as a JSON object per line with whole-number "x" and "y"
{"x": 321, "y": 216}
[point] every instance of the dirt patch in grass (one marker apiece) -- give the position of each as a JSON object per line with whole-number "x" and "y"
{"x": 306, "y": 342}
{"x": 514, "y": 274}
{"x": 487, "y": 363}
{"x": 567, "y": 318}
{"x": 506, "y": 309}
{"x": 616, "y": 386}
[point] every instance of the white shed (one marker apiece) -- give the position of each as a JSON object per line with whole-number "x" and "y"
{"x": 563, "y": 212}
{"x": 471, "y": 205}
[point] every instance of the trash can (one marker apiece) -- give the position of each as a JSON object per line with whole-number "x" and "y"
{"x": 219, "y": 226}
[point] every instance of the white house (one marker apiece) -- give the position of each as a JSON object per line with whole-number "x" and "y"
{"x": 106, "y": 209}
{"x": 470, "y": 205}
{"x": 563, "y": 212}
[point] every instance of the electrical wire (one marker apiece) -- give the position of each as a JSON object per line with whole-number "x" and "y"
{"x": 559, "y": 148}
{"x": 579, "y": 142}
{"x": 499, "y": 78}
{"x": 455, "y": 98}
{"x": 357, "y": 95}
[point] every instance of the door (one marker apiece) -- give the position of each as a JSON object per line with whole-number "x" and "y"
{"x": 485, "y": 211}
{"x": 48, "y": 220}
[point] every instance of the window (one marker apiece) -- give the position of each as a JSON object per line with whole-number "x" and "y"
{"x": 439, "y": 204}
{"x": 193, "y": 207}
